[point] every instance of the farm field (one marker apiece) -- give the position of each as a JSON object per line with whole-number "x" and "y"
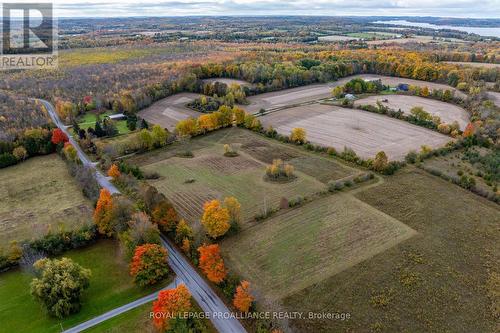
{"x": 110, "y": 286}
{"x": 336, "y": 38}
{"x": 189, "y": 182}
{"x": 304, "y": 246}
{"x": 364, "y": 132}
{"x": 446, "y": 111}
{"x": 39, "y": 195}
{"x": 168, "y": 111}
{"x": 440, "y": 274}
{"x": 415, "y": 39}
{"x": 473, "y": 64}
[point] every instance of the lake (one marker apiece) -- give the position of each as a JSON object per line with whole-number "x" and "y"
{"x": 476, "y": 30}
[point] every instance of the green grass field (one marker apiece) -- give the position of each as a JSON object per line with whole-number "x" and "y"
{"x": 138, "y": 321}
{"x": 134, "y": 321}
{"x": 189, "y": 182}
{"x": 39, "y": 195}
{"x": 110, "y": 286}
{"x": 89, "y": 119}
{"x": 303, "y": 246}
{"x": 440, "y": 280}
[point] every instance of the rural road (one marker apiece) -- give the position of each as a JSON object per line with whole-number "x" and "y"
{"x": 201, "y": 291}
{"x": 101, "y": 179}
{"x": 117, "y": 311}
{"x": 208, "y": 301}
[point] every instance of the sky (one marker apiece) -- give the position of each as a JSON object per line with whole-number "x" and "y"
{"x": 115, "y": 8}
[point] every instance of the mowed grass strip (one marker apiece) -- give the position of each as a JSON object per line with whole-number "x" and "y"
{"x": 304, "y": 246}
{"x": 110, "y": 286}
{"x": 188, "y": 183}
{"x": 39, "y": 195}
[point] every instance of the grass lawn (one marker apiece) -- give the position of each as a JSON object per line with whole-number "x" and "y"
{"x": 134, "y": 321}
{"x": 138, "y": 321}
{"x": 303, "y": 246}
{"x": 189, "y": 182}
{"x": 110, "y": 287}
{"x": 89, "y": 119}
{"x": 441, "y": 280}
{"x": 39, "y": 195}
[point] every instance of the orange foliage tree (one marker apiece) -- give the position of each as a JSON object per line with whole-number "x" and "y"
{"x": 165, "y": 216}
{"x": 103, "y": 214}
{"x": 169, "y": 305}
{"x": 149, "y": 264}
{"x": 212, "y": 263}
{"x": 58, "y": 136}
{"x": 215, "y": 219}
{"x": 114, "y": 171}
{"x": 242, "y": 298}
{"x": 469, "y": 130}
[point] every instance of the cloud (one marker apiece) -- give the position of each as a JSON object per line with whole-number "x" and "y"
{"x": 444, "y": 8}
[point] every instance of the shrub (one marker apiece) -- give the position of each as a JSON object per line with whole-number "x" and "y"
{"x": 335, "y": 185}
{"x": 411, "y": 157}
{"x": 296, "y": 201}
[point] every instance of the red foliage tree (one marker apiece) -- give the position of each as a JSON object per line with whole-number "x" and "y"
{"x": 212, "y": 263}
{"x": 149, "y": 264}
{"x": 58, "y": 136}
{"x": 169, "y": 305}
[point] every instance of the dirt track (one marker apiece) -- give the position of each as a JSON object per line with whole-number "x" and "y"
{"x": 446, "y": 111}
{"x": 366, "y": 133}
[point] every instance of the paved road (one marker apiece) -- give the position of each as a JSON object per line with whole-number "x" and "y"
{"x": 115, "y": 312}
{"x": 199, "y": 289}
{"x": 101, "y": 179}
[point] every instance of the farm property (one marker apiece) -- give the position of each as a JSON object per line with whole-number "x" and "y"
{"x": 306, "y": 245}
{"x": 441, "y": 273}
{"x": 364, "y": 132}
{"x": 39, "y": 195}
{"x": 446, "y": 111}
{"x": 168, "y": 111}
{"x": 189, "y": 182}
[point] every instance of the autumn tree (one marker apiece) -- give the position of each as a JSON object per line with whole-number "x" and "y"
{"x": 149, "y": 264}
{"x": 242, "y": 298}
{"x": 165, "y": 216}
{"x": 103, "y": 213}
{"x": 170, "y": 304}
{"x": 298, "y": 135}
{"x": 114, "y": 171}
{"x": 59, "y": 285}
{"x": 58, "y": 136}
{"x": 380, "y": 162}
{"x": 234, "y": 208}
{"x": 469, "y": 130}
{"x": 70, "y": 152}
{"x": 183, "y": 231}
{"x": 212, "y": 263}
{"x": 140, "y": 231}
{"x": 215, "y": 219}
{"x": 159, "y": 136}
